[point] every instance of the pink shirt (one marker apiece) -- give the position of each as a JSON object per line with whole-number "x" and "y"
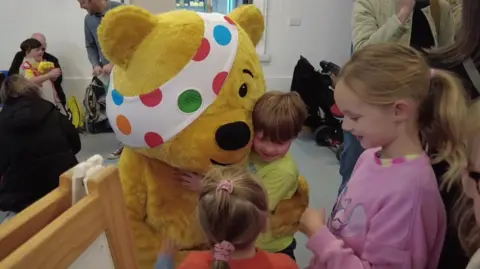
{"x": 386, "y": 217}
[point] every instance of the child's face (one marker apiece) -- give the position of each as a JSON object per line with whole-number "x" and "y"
{"x": 268, "y": 150}
{"x": 374, "y": 126}
{"x": 471, "y": 183}
{"x": 36, "y": 54}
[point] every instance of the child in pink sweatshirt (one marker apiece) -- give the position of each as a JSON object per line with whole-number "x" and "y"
{"x": 390, "y": 214}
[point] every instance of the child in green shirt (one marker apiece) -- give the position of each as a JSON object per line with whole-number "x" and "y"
{"x": 277, "y": 120}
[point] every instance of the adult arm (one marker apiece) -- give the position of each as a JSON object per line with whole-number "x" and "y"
{"x": 396, "y": 237}
{"x": 16, "y": 63}
{"x": 446, "y": 35}
{"x": 71, "y": 133}
{"x": 366, "y": 30}
{"x": 91, "y": 45}
{"x": 279, "y": 185}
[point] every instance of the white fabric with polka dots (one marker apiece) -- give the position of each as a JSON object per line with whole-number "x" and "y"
{"x": 151, "y": 119}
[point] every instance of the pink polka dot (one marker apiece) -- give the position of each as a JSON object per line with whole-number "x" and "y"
{"x": 153, "y": 139}
{"x": 218, "y": 82}
{"x": 203, "y": 51}
{"x": 229, "y": 20}
{"x": 152, "y": 99}
{"x": 398, "y": 160}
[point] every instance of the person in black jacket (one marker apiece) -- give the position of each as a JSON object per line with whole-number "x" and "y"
{"x": 451, "y": 58}
{"x": 57, "y": 83}
{"x": 37, "y": 144}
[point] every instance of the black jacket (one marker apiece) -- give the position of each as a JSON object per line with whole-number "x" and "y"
{"x": 37, "y": 144}
{"x": 453, "y": 255}
{"x": 57, "y": 84}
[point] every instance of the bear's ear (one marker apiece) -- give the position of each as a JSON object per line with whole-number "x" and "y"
{"x": 250, "y": 18}
{"x": 122, "y": 30}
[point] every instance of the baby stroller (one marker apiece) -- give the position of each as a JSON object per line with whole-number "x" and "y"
{"x": 315, "y": 87}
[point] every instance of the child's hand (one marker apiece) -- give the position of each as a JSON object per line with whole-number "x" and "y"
{"x": 192, "y": 181}
{"x": 55, "y": 73}
{"x": 312, "y": 221}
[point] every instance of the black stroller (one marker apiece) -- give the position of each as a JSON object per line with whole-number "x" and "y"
{"x": 316, "y": 89}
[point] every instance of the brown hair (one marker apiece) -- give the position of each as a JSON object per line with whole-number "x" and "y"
{"x": 16, "y": 86}
{"x": 280, "y": 116}
{"x": 464, "y": 215}
{"x": 237, "y": 217}
{"x": 467, "y": 42}
{"x": 390, "y": 72}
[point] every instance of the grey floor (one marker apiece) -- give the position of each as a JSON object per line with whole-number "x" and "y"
{"x": 317, "y": 164}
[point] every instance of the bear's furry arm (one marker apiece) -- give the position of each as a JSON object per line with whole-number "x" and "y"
{"x": 132, "y": 167}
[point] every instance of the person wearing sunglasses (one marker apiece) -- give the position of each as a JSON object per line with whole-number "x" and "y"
{"x": 467, "y": 208}
{"x": 57, "y": 82}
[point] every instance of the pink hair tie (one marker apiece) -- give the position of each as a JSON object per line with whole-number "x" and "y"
{"x": 225, "y": 185}
{"x": 222, "y": 251}
{"x": 433, "y": 72}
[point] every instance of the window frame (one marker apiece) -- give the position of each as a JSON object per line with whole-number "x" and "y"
{"x": 262, "y": 5}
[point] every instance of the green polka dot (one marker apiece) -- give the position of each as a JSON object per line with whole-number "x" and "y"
{"x": 189, "y": 101}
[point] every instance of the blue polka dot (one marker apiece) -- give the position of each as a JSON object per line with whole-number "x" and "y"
{"x": 222, "y": 35}
{"x": 117, "y": 97}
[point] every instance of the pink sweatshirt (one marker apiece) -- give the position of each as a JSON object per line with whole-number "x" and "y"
{"x": 387, "y": 217}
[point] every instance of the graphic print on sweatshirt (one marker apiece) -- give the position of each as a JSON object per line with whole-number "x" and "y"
{"x": 348, "y": 219}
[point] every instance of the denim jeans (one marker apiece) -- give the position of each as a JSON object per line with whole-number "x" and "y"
{"x": 351, "y": 152}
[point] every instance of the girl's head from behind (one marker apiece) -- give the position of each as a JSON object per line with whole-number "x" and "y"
{"x": 233, "y": 211}
{"x": 18, "y": 86}
{"x": 388, "y": 91}
{"x": 33, "y": 49}
{"x": 468, "y": 206}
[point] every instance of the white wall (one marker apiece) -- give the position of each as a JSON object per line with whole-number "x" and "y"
{"x": 324, "y": 34}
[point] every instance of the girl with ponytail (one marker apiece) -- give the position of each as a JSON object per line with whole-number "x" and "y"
{"x": 391, "y": 214}
{"x": 233, "y": 211}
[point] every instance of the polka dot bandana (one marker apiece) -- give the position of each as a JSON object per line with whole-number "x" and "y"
{"x": 151, "y": 119}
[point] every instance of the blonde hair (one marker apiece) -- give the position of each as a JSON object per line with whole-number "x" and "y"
{"x": 390, "y": 72}
{"x": 464, "y": 215}
{"x": 280, "y": 116}
{"x": 17, "y": 86}
{"x": 237, "y": 217}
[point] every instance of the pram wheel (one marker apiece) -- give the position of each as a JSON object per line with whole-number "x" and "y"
{"x": 323, "y": 136}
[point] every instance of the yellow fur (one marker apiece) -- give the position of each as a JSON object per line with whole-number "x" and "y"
{"x": 147, "y": 51}
{"x": 45, "y": 67}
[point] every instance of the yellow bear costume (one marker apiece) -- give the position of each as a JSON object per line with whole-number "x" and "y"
{"x": 181, "y": 96}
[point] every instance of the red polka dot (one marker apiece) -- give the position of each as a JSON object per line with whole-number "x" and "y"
{"x": 203, "y": 51}
{"x": 229, "y": 20}
{"x": 153, "y": 139}
{"x": 152, "y": 99}
{"x": 218, "y": 82}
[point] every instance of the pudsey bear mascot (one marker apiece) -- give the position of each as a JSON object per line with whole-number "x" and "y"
{"x": 181, "y": 96}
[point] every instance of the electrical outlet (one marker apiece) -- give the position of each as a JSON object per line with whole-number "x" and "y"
{"x": 294, "y": 22}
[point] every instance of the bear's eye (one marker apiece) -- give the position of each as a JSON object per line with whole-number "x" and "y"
{"x": 243, "y": 90}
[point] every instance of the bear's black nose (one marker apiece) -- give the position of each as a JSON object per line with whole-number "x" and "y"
{"x": 233, "y": 136}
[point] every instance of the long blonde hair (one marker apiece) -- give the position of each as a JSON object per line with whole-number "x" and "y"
{"x": 17, "y": 86}
{"x": 391, "y": 72}
{"x": 237, "y": 217}
{"x": 464, "y": 215}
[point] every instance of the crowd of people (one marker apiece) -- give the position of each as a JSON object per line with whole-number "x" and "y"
{"x": 36, "y": 132}
{"x": 410, "y": 193}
